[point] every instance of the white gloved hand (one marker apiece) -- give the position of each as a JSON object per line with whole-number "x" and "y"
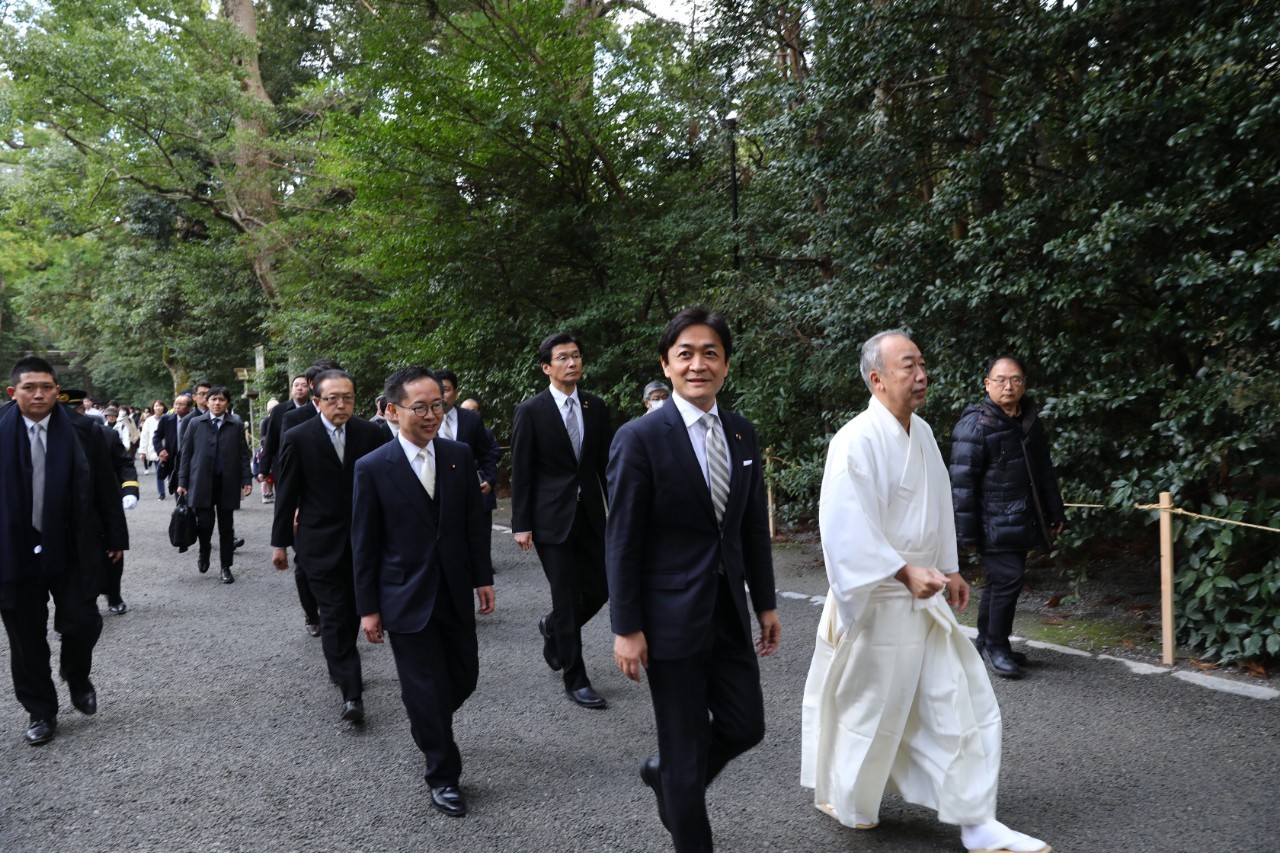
{"x": 129, "y": 501}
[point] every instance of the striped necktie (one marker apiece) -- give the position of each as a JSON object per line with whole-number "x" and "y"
{"x": 571, "y": 424}
{"x": 717, "y": 465}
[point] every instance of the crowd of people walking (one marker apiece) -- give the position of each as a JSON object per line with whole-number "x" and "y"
{"x": 664, "y": 519}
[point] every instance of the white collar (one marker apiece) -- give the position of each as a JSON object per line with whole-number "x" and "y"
{"x": 691, "y": 413}
{"x": 43, "y": 421}
{"x": 412, "y": 450}
{"x": 560, "y": 396}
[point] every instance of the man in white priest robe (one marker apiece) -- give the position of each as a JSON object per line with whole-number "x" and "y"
{"x": 897, "y": 699}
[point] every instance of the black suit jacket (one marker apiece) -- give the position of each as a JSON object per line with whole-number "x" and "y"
{"x": 297, "y": 417}
{"x": 401, "y": 552}
{"x": 471, "y": 432}
{"x": 165, "y": 437}
{"x": 664, "y": 549}
{"x": 318, "y": 487}
{"x": 270, "y": 459}
{"x": 195, "y": 471}
{"x": 545, "y": 476}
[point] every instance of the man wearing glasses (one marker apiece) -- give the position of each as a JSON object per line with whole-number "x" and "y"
{"x": 559, "y": 451}
{"x": 1006, "y": 500}
{"x": 656, "y": 394}
{"x": 313, "y": 515}
{"x": 420, "y": 545}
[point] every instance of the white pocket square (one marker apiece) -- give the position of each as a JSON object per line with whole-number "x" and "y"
{"x": 746, "y": 462}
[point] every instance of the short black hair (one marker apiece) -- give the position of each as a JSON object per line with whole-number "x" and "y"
{"x": 444, "y": 374}
{"x": 695, "y": 316}
{"x": 381, "y": 402}
{"x": 293, "y": 379}
{"x": 991, "y": 364}
{"x": 203, "y": 383}
{"x": 218, "y": 391}
{"x": 319, "y": 366}
{"x": 394, "y": 386}
{"x": 550, "y": 342}
{"x": 322, "y": 377}
{"x": 31, "y": 364}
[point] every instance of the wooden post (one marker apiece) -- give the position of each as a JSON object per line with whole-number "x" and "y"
{"x": 1166, "y": 576}
{"x": 768, "y": 469}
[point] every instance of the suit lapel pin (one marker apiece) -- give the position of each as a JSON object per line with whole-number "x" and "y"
{"x": 586, "y": 404}
{"x": 453, "y": 467}
{"x": 738, "y": 436}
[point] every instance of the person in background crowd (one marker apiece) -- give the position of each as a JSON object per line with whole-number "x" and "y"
{"x": 468, "y": 427}
{"x": 1006, "y": 500}
{"x": 147, "y": 453}
{"x": 215, "y": 474}
{"x": 656, "y": 393}
{"x": 61, "y": 506}
{"x": 263, "y": 475}
{"x": 165, "y": 442}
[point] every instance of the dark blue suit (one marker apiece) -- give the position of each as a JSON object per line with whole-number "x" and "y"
{"x": 416, "y": 562}
{"x": 677, "y": 575}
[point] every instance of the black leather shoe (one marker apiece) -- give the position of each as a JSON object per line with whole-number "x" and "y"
{"x": 227, "y": 577}
{"x": 239, "y": 543}
{"x": 42, "y": 731}
{"x": 85, "y": 699}
{"x": 353, "y": 711}
{"x": 1018, "y": 657}
{"x": 548, "y": 645}
{"x": 649, "y": 774}
{"x": 118, "y": 607}
{"x": 1001, "y": 663}
{"x": 313, "y": 628}
{"x": 448, "y": 799}
{"x": 586, "y": 697}
{"x": 203, "y": 565}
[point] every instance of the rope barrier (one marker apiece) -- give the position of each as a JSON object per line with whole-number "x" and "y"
{"x": 1180, "y": 511}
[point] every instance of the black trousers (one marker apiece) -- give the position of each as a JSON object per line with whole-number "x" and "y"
{"x": 1005, "y": 576}
{"x": 335, "y": 596}
{"x": 310, "y": 608}
{"x": 205, "y": 516}
{"x": 575, "y": 572}
{"x": 709, "y": 709}
{"x": 76, "y": 618}
{"x": 112, "y": 574}
{"x": 439, "y": 667}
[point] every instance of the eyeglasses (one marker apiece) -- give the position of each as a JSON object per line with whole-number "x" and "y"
{"x": 421, "y": 409}
{"x": 565, "y": 359}
{"x": 653, "y": 398}
{"x": 1015, "y": 381}
{"x": 334, "y": 399}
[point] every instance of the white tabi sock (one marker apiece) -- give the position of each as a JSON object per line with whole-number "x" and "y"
{"x": 994, "y": 835}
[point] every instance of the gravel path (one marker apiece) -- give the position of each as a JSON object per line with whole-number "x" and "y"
{"x": 219, "y": 730}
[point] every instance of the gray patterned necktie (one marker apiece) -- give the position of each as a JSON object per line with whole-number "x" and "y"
{"x": 37, "y": 476}
{"x": 339, "y": 443}
{"x": 717, "y": 466}
{"x": 571, "y": 424}
{"x": 446, "y": 427}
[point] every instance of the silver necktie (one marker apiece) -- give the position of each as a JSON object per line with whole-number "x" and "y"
{"x": 427, "y": 473}
{"x": 37, "y": 477}
{"x": 717, "y": 466}
{"x": 339, "y": 443}
{"x": 571, "y": 424}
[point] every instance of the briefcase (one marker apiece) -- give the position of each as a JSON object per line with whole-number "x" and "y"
{"x": 182, "y": 525}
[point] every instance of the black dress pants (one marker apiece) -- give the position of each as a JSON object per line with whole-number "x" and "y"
{"x": 439, "y": 667}
{"x": 205, "y": 516}
{"x": 709, "y": 709}
{"x": 310, "y": 608}
{"x": 76, "y": 618}
{"x": 1005, "y": 575}
{"x": 579, "y": 588}
{"x": 335, "y": 596}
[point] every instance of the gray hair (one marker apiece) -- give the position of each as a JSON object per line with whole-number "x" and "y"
{"x": 873, "y": 358}
{"x": 655, "y": 385}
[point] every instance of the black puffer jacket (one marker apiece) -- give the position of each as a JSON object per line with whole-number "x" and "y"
{"x": 1002, "y": 481}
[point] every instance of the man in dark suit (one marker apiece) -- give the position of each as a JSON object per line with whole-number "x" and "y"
{"x": 559, "y": 450}
{"x": 61, "y": 507}
{"x": 460, "y": 424}
{"x": 688, "y": 526}
{"x": 303, "y": 413}
{"x": 419, "y": 547}
{"x": 269, "y": 463}
{"x": 318, "y": 460}
{"x": 165, "y": 441}
{"x": 215, "y": 473}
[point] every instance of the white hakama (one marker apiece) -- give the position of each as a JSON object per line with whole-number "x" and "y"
{"x": 897, "y": 698}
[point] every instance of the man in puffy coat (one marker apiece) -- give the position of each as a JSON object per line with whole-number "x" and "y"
{"x": 1006, "y": 500}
